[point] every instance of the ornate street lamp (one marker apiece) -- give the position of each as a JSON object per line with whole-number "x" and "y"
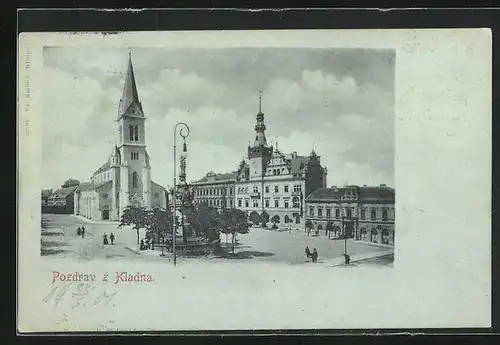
{"x": 182, "y": 176}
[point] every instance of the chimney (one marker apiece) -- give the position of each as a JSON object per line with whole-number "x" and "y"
{"x": 294, "y": 154}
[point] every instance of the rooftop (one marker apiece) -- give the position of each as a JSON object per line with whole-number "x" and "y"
{"x": 91, "y": 186}
{"x": 213, "y": 177}
{"x": 63, "y": 192}
{"x": 365, "y": 193}
{"x": 103, "y": 167}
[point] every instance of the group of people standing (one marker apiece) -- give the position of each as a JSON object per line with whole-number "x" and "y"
{"x": 105, "y": 239}
{"x": 313, "y": 255}
{"x": 150, "y": 244}
{"x": 81, "y": 232}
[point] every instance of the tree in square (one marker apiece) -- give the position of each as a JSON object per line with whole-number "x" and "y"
{"x": 135, "y": 216}
{"x": 233, "y": 222}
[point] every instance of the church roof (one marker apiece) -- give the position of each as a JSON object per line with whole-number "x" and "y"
{"x": 130, "y": 93}
{"x": 157, "y": 184}
{"x": 103, "y": 167}
{"x": 92, "y": 186}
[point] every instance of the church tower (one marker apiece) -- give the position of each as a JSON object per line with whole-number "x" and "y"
{"x": 135, "y": 172}
{"x": 260, "y": 153}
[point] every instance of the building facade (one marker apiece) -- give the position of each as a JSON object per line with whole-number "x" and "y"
{"x": 366, "y": 213}
{"x": 270, "y": 180}
{"x": 125, "y": 178}
{"x": 215, "y": 190}
{"x": 60, "y": 201}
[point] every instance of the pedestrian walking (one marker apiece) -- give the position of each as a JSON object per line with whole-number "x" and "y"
{"x": 112, "y": 238}
{"x": 105, "y": 239}
{"x": 152, "y": 244}
{"x": 308, "y": 252}
{"x": 142, "y": 247}
{"x": 79, "y": 231}
{"x": 315, "y": 255}
{"x": 83, "y": 232}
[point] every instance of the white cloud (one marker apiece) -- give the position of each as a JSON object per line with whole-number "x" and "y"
{"x": 318, "y": 81}
{"x": 348, "y": 124}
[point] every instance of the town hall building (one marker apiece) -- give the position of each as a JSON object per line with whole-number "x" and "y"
{"x": 265, "y": 180}
{"x": 125, "y": 177}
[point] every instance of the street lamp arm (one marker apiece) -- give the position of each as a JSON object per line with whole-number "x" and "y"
{"x": 184, "y": 127}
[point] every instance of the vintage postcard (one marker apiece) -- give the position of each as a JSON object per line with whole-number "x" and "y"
{"x": 254, "y": 180}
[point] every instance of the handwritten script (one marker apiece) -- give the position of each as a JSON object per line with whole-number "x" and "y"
{"x": 79, "y": 295}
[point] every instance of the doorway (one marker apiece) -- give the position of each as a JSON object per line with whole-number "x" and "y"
{"x": 105, "y": 214}
{"x": 349, "y": 230}
{"x": 297, "y": 218}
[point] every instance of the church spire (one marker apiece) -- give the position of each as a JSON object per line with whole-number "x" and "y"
{"x": 260, "y": 101}
{"x": 129, "y": 94}
{"x": 260, "y": 127}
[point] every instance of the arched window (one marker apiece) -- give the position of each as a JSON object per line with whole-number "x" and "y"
{"x": 136, "y": 133}
{"x": 131, "y": 133}
{"x": 135, "y": 179}
{"x": 296, "y": 202}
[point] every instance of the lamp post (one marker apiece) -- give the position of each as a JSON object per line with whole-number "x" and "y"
{"x": 346, "y": 219}
{"x": 174, "y": 194}
{"x": 345, "y": 236}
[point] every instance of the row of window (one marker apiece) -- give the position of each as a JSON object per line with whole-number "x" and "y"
{"x": 134, "y": 156}
{"x": 276, "y": 171}
{"x": 296, "y": 188}
{"x": 215, "y": 202}
{"x": 214, "y": 191}
{"x": 255, "y": 203}
{"x": 348, "y": 213}
{"x": 102, "y": 177}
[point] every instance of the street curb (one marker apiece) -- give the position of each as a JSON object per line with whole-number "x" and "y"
{"x": 375, "y": 255}
{"x": 90, "y": 221}
{"x": 133, "y": 250}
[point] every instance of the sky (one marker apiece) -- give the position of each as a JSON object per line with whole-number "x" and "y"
{"x": 339, "y": 102}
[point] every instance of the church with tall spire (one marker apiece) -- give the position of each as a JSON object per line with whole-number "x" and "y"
{"x": 125, "y": 177}
{"x": 266, "y": 179}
